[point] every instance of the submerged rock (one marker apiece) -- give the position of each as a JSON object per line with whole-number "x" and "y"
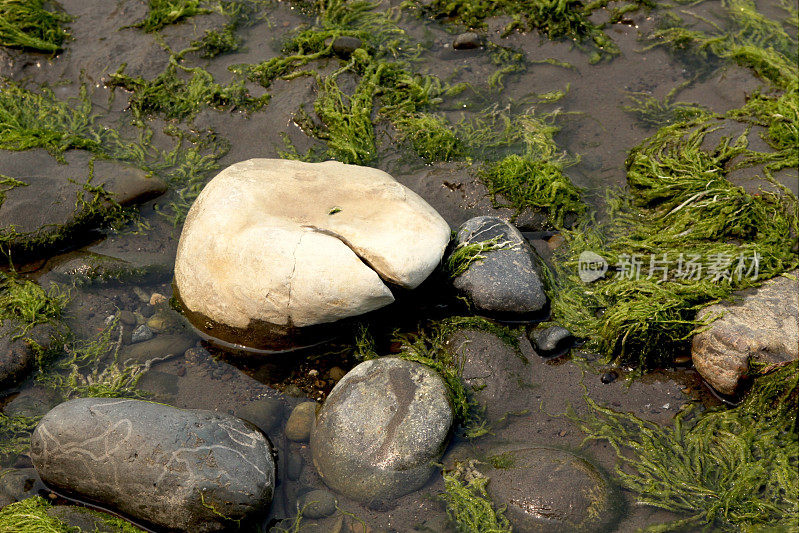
{"x": 381, "y": 429}
{"x": 345, "y": 45}
{"x": 507, "y": 280}
{"x": 18, "y": 350}
{"x": 174, "y": 469}
{"x": 53, "y": 200}
{"x": 760, "y": 327}
{"x": 309, "y": 243}
{"x": 298, "y": 427}
{"x": 547, "y": 490}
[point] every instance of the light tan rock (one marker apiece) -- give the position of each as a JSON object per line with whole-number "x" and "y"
{"x": 297, "y": 244}
{"x": 761, "y": 326}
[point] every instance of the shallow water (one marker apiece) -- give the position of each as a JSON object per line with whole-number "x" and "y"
{"x": 594, "y": 127}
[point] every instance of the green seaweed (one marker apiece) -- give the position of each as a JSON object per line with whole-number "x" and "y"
{"x": 224, "y": 40}
{"x": 729, "y": 469}
{"x": 33, "y": 25}
{"x": 680, "y": 209}
{"x": 468, "y": 504}
{"x": 654, "y": 112}
{"x": 27, "y": 303}
{"x": 31, "y": 516}
{"x": 555, "y": 19}
{"x": 161, "y": 13}
{"x": 173, "y": 96}
{"x": 466, "y": 253}
{"x": 15, "y": 435}
{"x": 503, "y": 461}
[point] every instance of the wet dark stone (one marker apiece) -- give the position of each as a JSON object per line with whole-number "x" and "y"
{"x": 298, "y": 427}
{"x": 507, "y": 281}
{"x": 160, "y": 346}
{"x": 344, "y": 45}
{"x": 494, "y": 371}
{"x": 40, "y": 211}
{"x": 467, "y": 41}
{"x": 317, "y": 503}
{"x": 381, "y": 430}
{"x": 294, "y": 466}
{"x": 20, "y": 483}
{"x": 171, "y": 468}
{"x": 547, "y": 490}
{"x": 609, "y": 377}
{"x": 17, "y": 350}
{"x": 141, "y": 334}
{"x": 32, "y": 401}
{"x": 265, "y": 413}
{"x": 552, "y": 341}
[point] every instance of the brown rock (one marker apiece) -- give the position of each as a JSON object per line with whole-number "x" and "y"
{"x": 761, "y": 327}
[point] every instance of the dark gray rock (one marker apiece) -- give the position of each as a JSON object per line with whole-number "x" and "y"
{"x": 294, "y": 466}
{"x": 265, "y": 413}
{"x": 175, "y": 469}
{"x": 298, "y": 427}
{"x": 18, "y": 350}
{"x": 760, "y": 326}
{"x": 467, "y": 41}
{"x": 160, "y": 346}
{"x": 381, "y": 429}
{"x": 57, "y": 199}
{"x": 141, "y": 334}
{"x": 317, "y": 503}
{"x": 20, "y": 483}
{"x": 507, "y": 281}
{"x": 345, "y": 45}
{"x": 31, "y": 402}
{"x": 547, "y": 490}
{"x": 552, "y": 341}
{"x": 496, "y": 373}
{"x": 81, "y": 267}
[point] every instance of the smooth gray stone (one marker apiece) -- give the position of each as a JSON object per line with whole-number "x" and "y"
{"x": 507, "y": 280}
{"x": 317, "y": 503}
{"x": 186, "y": 470}
{"x": 18, "y": 350}
{"x": 547, "y": 490}
{"x": 298, "y": 427}
{"x": 467, "y": 41}
{"x": 265, "y": 413}
{"x": 551, "y": 341}
{"x": 141, "y": 334}
{"x": 381, "y": 430}
{"x": 344, "y": 45}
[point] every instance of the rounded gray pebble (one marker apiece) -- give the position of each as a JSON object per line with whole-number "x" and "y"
{"x": 298, "y": 427}
{"x": 317, "y": 503}
{"x": 141, "y": 334}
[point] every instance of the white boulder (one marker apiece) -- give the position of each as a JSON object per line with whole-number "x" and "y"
{"x": 296, "y": 244}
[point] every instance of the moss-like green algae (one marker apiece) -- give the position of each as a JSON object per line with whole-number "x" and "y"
{"x": 468, "y": 504}
{"x": 31, "y": 516}
{"x": 726, "y": 469}
{"x": 33, "y": 25}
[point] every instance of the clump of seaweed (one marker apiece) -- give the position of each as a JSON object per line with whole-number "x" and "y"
{"x": 555, "y": 19}
{"x": 731, "y": 469}
{"x": 31, "y": 515}
{"x": 655, "y": 113}
{"x": 465, "y": 254}
{"x": 224, "y": 40}
{"x": 32, "y": 24}
{"x": 27, "y": 303}
{"x": 171, "y": 95}
{"x": 161, "y": 13}
{"x": 468, "y": 505}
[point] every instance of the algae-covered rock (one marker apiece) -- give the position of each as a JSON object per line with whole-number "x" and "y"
{"x": 18, "y": 349}
{"x": 759, "y": 327}
{"x": 505, "y": 281}
{"x": 48, "y": 200}
{"x": 186, "y": 470}
{"x": 381, "y": 430}
{"x": 546, "y": 490}
{"x": 272, "y": 245}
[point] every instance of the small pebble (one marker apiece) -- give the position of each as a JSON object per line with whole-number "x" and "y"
{"x": 141, "y": 334}
{"x": 298, "y": 427}
{"x": 317, "y": 504}
{"x": 127, "y": 317}
{"x": 467, "y": 41}
{"x": 157, "y": 299}
{"x": 109, "y": 319}
{"x": 157, "y": 323}
{"x": 143, "y": 296}
{"x": 336, "y": 373}
{"x": 313, "y": 372}
{"x": 609, "y": 377}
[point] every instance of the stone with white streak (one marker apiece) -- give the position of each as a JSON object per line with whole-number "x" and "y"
{"x": 279, "y": 244}
{"x": 172, "y": 469}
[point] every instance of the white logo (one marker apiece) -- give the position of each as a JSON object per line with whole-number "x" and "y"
{"x": 591, "y": 267}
